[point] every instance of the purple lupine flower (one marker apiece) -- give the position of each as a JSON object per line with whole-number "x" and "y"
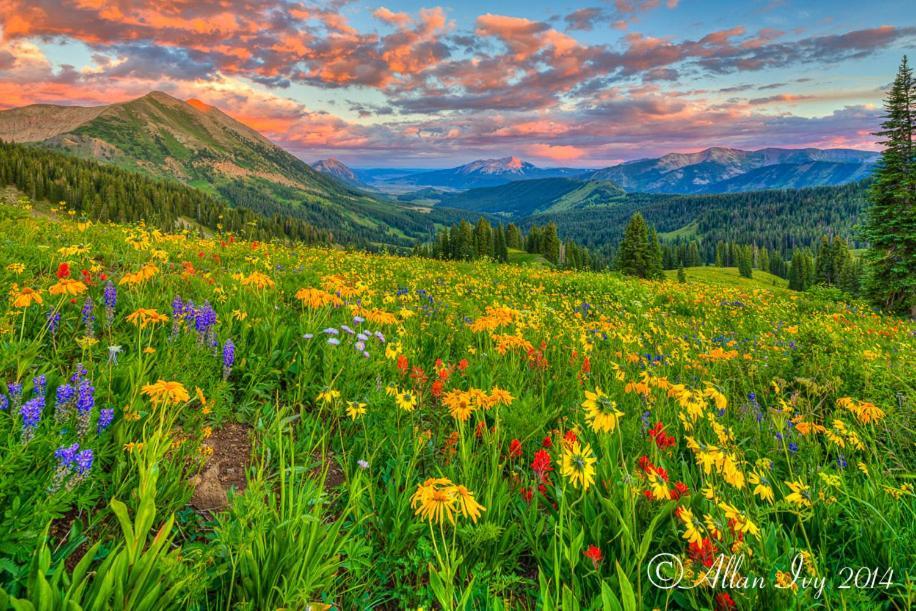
{"x": 88, "y": 317}
{"x": 85, "y": 401}
{"x": 228, "y": 358}
{"x": 66, "y": 456}
{"x": 39, "y": 385}
{"x": 4, "y": 403}
{"x": 31, "y": 416}
{"x": 83, "y": 462}
{"x": 79, "y": 373}
{"x": 15, "y": 390}
{"x": 85, "y": 397}
{"x": 53, "y": 319}
{"x": 110, "y": 298}
{"x": 106, "y": 417}
{"x": 177, "y": 313}
{"x": 793, "y": 447}
{"x": 64, "y": 397}
{"x": 204, "y": 319}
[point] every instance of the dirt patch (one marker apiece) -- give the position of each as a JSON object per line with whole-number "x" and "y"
{"x": 59, "y": 533}
{"x": 225, "y": 469}
{"x": 335, "y": 474}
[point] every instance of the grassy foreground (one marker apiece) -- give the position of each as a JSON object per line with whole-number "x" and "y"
{"x": 212, "y": 423}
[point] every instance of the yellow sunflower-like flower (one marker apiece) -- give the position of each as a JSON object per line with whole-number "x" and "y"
{"x": 467, "y": 505}
{"x": 438, "y": 500}
{"x": 435, "y": 500}
{"x": 800, "y": 495}
{"x": 600, "y": 411}
{"x": 355, "y": 409}
{"x": 578, "y": 465}
{"x": 166, "y": 393}
{"x": 406, "y": 400}
{"x": 327, "y": 396}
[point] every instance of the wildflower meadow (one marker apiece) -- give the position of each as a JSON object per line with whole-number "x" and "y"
{"x": 217, "y": 423}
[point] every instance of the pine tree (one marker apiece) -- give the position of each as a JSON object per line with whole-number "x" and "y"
{"x": 633, "y": 255}
{"x": 763, "y": 260}
{"x": 745, "y": 257}
{"x": 681, "y": 275}
{"x": 551, "y": 244}
{"x": 890, "y": 226}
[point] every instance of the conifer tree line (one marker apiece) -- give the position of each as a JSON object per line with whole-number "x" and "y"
{"x": 465, "y": 242}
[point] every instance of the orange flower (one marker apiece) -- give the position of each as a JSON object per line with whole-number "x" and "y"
{"x": 145, "y": 317}
{"x": 168, "y": 393}
{"x": 23, "y": 298}
{"x": 67, "y": 286}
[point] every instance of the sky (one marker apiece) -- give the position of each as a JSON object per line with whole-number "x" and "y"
{"x": 400, "y": 83}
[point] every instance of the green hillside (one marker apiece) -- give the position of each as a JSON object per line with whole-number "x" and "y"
{"x": 524, "y": 198}
{"x": 729, "y": 277}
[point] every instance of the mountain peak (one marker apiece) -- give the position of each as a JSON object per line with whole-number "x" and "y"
{"x": 160, "y": 96}
{"x": 512, "y": 163}
{"x": 337, "y": 169}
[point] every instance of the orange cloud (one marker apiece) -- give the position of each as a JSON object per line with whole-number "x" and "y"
{"x": 555, "y": 152}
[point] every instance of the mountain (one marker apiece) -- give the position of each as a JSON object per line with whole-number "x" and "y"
{"x": 523, "y": 198}
{"x": 484, "y": 173}
{"x": 166, "y": 137}
{"x": 339, "y": 170}
{"x": 199, "y": 145}
{"x": 719, "y": 170}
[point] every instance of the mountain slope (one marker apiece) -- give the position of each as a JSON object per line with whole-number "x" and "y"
{"x": 794, "y": 176}
{"x": 200, "y": 145}
{"x": 485, "y": 173}
{"x": 718, "y": 170}
{"x": 522, "y": 198}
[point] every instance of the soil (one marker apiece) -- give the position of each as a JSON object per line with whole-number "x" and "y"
{"x": 225, "y": 469}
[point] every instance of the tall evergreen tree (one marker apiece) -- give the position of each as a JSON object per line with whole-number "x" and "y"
{"x": 745, "y": 259}
{"x": 890, "y": 226}
{"x": 636, "y": 256}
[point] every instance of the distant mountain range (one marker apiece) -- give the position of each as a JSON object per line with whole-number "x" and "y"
{"x": 725, "y": 170}
{"x": 714, "y": 170}
{"x": 482, "y": 173}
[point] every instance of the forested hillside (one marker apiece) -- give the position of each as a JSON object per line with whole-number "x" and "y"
{"x": 778, "y": 219}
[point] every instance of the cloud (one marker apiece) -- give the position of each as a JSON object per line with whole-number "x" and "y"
{"x": 584, "y": 19}
{"x": 555, "y": 152}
